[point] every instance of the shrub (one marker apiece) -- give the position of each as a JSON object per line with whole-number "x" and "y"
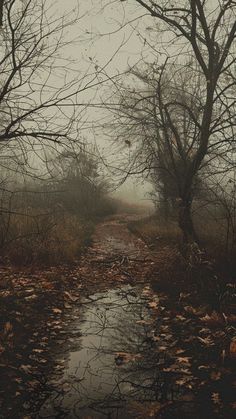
{"x": 47, "y": 239}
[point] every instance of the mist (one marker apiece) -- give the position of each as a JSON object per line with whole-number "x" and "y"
{"x": 117, "y": 209}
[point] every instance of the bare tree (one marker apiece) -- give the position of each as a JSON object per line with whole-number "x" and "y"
{"x": 40, "y": 85}
{"x": 202, "y": 37}
{"x": 41, "y": 108}
{"x": 158, "y": 117}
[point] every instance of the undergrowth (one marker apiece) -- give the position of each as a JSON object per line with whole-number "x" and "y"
{"x": 207, "y": 276}
{"x": 46, "y": 238}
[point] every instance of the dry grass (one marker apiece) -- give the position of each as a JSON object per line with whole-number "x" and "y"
{"x": 172, "y": 272}
{"x": 155, "y": 232}
{"x": 47, "y": 239}
{"x": 212, "y": 233}
{"x": 169, "y": 270}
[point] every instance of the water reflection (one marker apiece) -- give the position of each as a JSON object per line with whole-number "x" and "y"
{"x": 113, "y": 363}
{"x": 122, "y": 365}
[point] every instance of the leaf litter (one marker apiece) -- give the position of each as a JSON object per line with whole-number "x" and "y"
{"x": 195, "y": 346}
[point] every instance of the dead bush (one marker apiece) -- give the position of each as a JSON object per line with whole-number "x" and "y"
{"x": 48, "y": 239}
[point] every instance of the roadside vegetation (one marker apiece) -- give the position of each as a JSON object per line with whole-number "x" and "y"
{"x": 211, "y": 270}
{"x": 174, "y": 114}
{"x": 51, "y": 221}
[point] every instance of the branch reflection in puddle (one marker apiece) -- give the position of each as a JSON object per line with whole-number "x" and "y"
{"x": 115, "y": 362}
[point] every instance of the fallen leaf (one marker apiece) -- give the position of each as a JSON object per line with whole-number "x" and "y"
{"x": 232, "y": 348}
{"x": 162, "y": 348}
{"x": 184, "y": 360}
{"x": 203, "y": 367}
{"x": 215, "y": 319}
{"x": 71, "y": 297}
{"x": 179, "y": 317}
{"x": 215, "y": 375}
{"x": 153, "y": 304}
{"x": 215, "y": 397}
{"x": 67, "y": 306}
{"x": 7, "y": 327}
{"x": 124, "y": 357}
{"x": 180, "y": 351}
{"x": 190, "y": 310}
{"x": 57, "y": 310}
{"x": 206, "y": 341}
{"x": 26, "y": 368}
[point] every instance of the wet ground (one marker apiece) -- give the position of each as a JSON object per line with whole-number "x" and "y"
{"x": 115, "y": 349}
{"x": 103, "y": 373}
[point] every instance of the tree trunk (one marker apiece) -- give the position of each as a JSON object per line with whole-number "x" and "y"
{"x": 1, "y": 12}
{"x": 186, "y": 222}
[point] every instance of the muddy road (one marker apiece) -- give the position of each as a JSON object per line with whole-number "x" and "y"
{"x": 108, "y": 346}
{"x": 39, "y": 309}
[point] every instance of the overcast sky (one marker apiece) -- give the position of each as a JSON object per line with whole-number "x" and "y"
{"x": 101, "y": 41}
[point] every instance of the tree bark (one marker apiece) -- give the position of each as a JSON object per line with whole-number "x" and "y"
{"x": 186, "y": 222}
{"x": 1, "y": 12}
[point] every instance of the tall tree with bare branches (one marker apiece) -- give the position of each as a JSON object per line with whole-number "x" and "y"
{"x": 202, "y": 36}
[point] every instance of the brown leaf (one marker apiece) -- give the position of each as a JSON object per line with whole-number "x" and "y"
{"x": 190, "y": 310}
{"x": 203, "y": 367}
{"x": 184, "y": 360}
{"x": 57, "y": 310}
{"x": 215, "y": 397}
{"x": 232, "y": 348}
{"x": 180, "y": 317}
{"x": 70, "y": 297}
{"x": 206, "y": 341}
{"x": 7, "y": 328}
{"x": 215, "y": 319}
{"x": 184, "y": 381}
{"x": 215, "y": 375}
{"x": 124, "y": 357}
{"x": 26, "y": 368}
{"x": 162, "y": 348}
{"x": 153, "y": 304}
{"x": 180, "y": 351}
{"x": 67, "y": 306}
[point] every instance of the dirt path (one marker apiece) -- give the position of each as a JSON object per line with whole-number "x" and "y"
{"x": 115, "y": 256}
{"x": 71, "y": 333}
{"x": 36, "y": 304}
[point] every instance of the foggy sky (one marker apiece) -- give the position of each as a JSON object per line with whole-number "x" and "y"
{"x": 102, "y": 42}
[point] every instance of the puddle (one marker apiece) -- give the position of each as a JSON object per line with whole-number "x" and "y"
{"x": 121, "y": 364}
{"x": 108, "y": 368}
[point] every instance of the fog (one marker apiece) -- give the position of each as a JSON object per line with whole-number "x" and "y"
{"x": 117, "y": 209}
